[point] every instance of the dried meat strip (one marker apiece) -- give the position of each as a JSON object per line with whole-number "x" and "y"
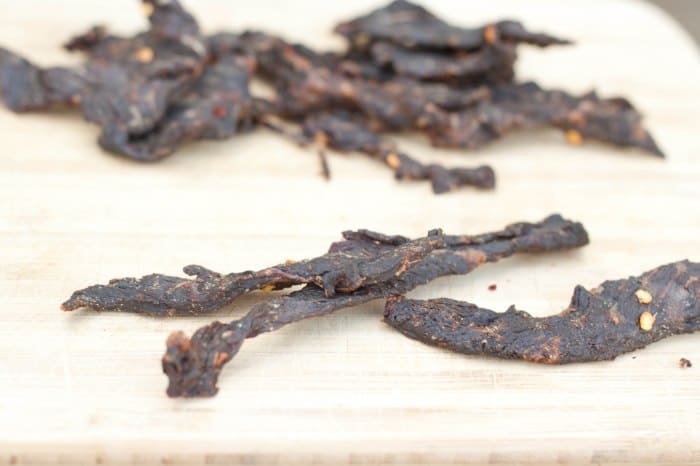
{"x": 26, "y": 87}
{"x": 368, "y": 261}
{"x": 132, "y": 81}
{"x": 217, "y": 106}
{"x": 127, "y": 84}
{"x": 515, "y": 106}
{"x": 193, "y": 364}
{"x": 410, "y": 25}
{"x": 343, "y": 132}
{"x": 616, "y": 317}
{"x": 493, "y": 63}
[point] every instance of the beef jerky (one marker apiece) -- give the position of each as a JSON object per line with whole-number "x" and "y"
{"x": 342, "y": 132}
{"x": 599, "y": 324}
{"x": 132, "y": 81}
{"x": 193, "y": 364}
{"x": 308, "y": 82}
{"x": 217, "y": 106}
{"x": 493, "y": 63}
{"x": 86, "y": 41}
{"x": 368, "y": 261}
{"x": 516, "y": 106}
{"x": 127, "y": 84}
{"x": 410, "y": 25}
{"x": 26, "y": 87}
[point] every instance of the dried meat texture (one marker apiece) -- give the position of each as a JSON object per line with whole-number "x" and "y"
{"x": 492, "y": 63}
{"x": 335, "y": 272}
{"x": 516, "y": 106}
{"x": 217, "y": 106}
{"x": 599, "y": 324}
{"x": 193, "y": 364}
{"x": 127, "y": 85}
{"x": 132, "y": 81}
{"x": 410, "y": 25}
{"x": 343, "y": 132}
{"x": 86, "y": 41}
{"x": 26, "y": 87}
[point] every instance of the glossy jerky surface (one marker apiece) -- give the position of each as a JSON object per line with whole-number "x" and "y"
{"x": 193, "y": 364}
{"x": 599, "y": 324}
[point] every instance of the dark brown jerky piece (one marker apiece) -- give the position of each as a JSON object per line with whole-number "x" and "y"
{"x": 362, "y": 263}
{"x": 132, "y": 81}
{"x": 342, "y": 132}
{"x": 685, "y": 363}
{"x": 493, "y": 63}
{"x": 193, "y": 364}
{"x": 410, "y": 25}
{"x": 214, "y": 108}
{"x": 598, "y": 325}
{"x": 87, "y": 40}
{"x": 516, "y": 106}
{"x": 25, "y": 87}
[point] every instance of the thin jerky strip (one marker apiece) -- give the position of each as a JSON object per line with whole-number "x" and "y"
{"x": 25, "y": 87}
{"x": 367, "y": 261}
{"x": 410, "y": 25}
{"x": 342, "y": 132}
{"x": 493, "y": 63}
{"x": 515, "y": 106}
{"x": 451, "y": 117}
{"x": 193, "y": 364}
{"x": 616, "y": 317}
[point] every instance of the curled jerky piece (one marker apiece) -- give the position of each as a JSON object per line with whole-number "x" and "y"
{"x": 516, "y": 106}
{"x": 345, "y": 132}
{"x": 411, "y": 25}
{"x": 193, "y": 364}
{"x": 368, "y": 259}
{"x": 599, "y": 324}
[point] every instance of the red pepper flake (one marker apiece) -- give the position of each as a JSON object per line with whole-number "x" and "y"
{"x": 219, "y": 112}
{"x": 492, "y": 287}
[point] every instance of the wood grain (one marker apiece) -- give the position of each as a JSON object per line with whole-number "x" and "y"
{"x": 87, "y": 388}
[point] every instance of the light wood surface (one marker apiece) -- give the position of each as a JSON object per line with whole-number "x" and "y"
{"x": 88, "y": 388}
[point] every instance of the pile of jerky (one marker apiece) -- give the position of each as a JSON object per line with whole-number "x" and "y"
{"x": 599, "y": 324}
{"x": 404, "y": 70}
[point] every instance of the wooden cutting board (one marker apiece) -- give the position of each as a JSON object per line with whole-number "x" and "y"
{"x": 88, "y": 388}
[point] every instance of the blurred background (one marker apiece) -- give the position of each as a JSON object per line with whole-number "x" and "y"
{"x": 685, "y": 11}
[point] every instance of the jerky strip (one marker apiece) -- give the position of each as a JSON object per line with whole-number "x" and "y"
{"x": 127, "y": 85}
{"x": 86, "y": 41}
{"x": 341, "y": 132}
{"x": 25, "y": 87}
{"x": 365, "y": 261}
{"x": 493, "y": 63}
{"x": 193, "y": 364}
{"x": 515, "y": 106}
{"x": 217, "y": 106}
{"x": 410, "y": 25}
{"x": 617, "y": 317}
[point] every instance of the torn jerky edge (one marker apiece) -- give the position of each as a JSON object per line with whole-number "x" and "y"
{"x": 614, "y": 318}
{"x": 193, "y": 364}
